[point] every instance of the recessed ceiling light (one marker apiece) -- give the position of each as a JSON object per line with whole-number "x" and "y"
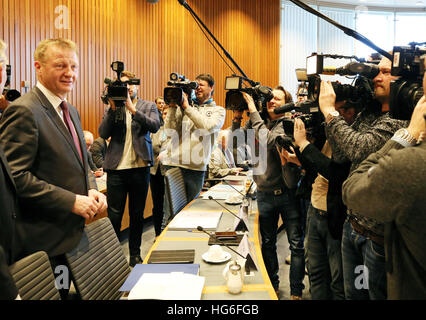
{"x": 420, "y": 3}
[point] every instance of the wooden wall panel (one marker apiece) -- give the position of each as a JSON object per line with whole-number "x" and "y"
{"x": 152, "y": 40}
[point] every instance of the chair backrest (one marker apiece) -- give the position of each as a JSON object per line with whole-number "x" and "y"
{"x": 175, "y": 187}
{"x": 98, "y": 265}
{"x": 34, "y": 277}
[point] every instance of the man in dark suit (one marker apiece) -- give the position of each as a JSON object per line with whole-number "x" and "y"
{"x": 127, "y": 161}
{"x": 9, "y": 209}
{"x": 43, "y": 141}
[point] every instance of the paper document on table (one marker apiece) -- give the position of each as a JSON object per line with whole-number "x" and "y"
{"x": 191, "y": 219}
{"x": 168, "y": 286}
{"x": 222, "y": 191}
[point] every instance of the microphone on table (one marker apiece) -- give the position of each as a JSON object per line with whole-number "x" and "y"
{"x": 244, "y": 195}
{"x": 223, "y": 180}
{"x": 200, "y": 228}
{"x": 241, "y": 224}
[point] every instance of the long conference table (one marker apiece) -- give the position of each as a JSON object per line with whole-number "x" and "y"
{"x": 257, "y": 286}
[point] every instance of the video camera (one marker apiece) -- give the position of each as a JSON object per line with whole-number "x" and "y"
{"x": 178, "y": 85}
{"x": 117, "y": 90}
{"x": 359, "y": 94}
{"x": 234, "y": 99}
{"x": 405, "y": 92}
{"x": 10, "y": 94}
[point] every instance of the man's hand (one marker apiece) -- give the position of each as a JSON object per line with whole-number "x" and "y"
{"x": 99, "y": 173}
{"x": 185, "y": 103}
{"x": 100, "y": 198}
{"x": 417, "y": 122}
{"x": 237, "y": 171}
{"x": 327, "y": 98}
{"x": 250, "y": 102}
{"x": 112, "y": 104}
{"x": 85, "y": 206}
{"x": 129, "y": 104}
{"x": 286, "y": 156}
{"x": 299, "y": 134}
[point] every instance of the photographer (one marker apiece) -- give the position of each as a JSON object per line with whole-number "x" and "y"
{"x": 127, "y": 160}
{"x": 192, "y": 130}
{"x": 326, "y": 210}
{"x": 274, "y": 198}
{"x": 362, "y": 242}
{"x": 394, "y": 177}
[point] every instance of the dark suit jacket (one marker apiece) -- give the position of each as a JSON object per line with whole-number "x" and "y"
{"x": 145, "y": 121}
{"x": 98, "y": 150}
{"x": 48, "y": 173}
{"x": 9, "y": 210}
{"x": 8, "y": 290}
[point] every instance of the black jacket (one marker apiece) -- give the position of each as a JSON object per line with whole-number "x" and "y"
{"x": 314, "y": 161}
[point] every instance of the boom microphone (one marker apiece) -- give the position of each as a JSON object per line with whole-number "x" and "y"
{"x": 241, "y": 225}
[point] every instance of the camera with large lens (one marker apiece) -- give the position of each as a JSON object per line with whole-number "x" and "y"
{"x": 178, "y": 85}
{"x": 10, "y": 94}
{"x": 117, "y": 90}
{"x": 361, "y": 92}
{"x": 234, "y": 99}
{"x": 405, "y": 92}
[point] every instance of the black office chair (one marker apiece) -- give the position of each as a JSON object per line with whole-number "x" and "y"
{"x": 175, "y": 187}
{"x": 34, "y": 277}
{"x": 98, "y": 265}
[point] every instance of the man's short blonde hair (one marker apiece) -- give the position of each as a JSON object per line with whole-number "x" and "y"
{"x": 3, "y": 57}
{"x": 40, "y": 52}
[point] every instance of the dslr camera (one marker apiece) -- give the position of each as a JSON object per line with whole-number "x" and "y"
{"x": 178, "y": 85}
{"x": 10, "y": 94}
{"x": 234, "y": 99}
{"x": 405, "y": 92}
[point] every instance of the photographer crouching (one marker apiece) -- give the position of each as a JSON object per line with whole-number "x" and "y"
{"x": 274, "y": 198}
{"x": 362, "y": 241}
{"x": 389, "y": 186}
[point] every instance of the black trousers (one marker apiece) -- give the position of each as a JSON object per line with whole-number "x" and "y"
{"x": 157, "y": 193}
{"x": 135, "y": 183}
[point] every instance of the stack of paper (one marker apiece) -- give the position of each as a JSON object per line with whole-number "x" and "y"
{"x": 191, "y": 219}
{"x": 222, "y": 191}
{"x": 140, "y": 269}
{"x": 168, "y": 286}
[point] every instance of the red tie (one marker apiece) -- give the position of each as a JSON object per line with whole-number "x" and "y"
{"x": 70, "y": 126}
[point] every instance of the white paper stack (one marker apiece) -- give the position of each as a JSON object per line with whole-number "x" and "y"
{"x": 168, "y": 286}
{"x": 222, "y": 191}
{"x": 191, "y": 219}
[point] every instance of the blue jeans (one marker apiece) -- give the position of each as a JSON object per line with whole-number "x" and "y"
{"x": 270, "y": 207}
{"x": 324, "y": 259}
{"x": 194, "y": 181}
{"x": 135, "y": 183}
{"x": 362, "y": 257}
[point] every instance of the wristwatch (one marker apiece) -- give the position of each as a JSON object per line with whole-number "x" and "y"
{"x": 403, "y": 134}
{"x": 331, "y": 116}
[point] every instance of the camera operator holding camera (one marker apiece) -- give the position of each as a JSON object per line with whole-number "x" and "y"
{"x": 326, "y": 211}
{"x": 192, "y": 129}
{"x": 275, "y": 198}
{"x": 362, "y": 242}
{"x": 127, "y": 160}
{"x": 394, "y": 177}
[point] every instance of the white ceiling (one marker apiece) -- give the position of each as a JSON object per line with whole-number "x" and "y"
{"x": 382, "y": 3}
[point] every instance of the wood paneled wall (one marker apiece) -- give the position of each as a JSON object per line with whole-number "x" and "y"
{"x": 152, "y": 40}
